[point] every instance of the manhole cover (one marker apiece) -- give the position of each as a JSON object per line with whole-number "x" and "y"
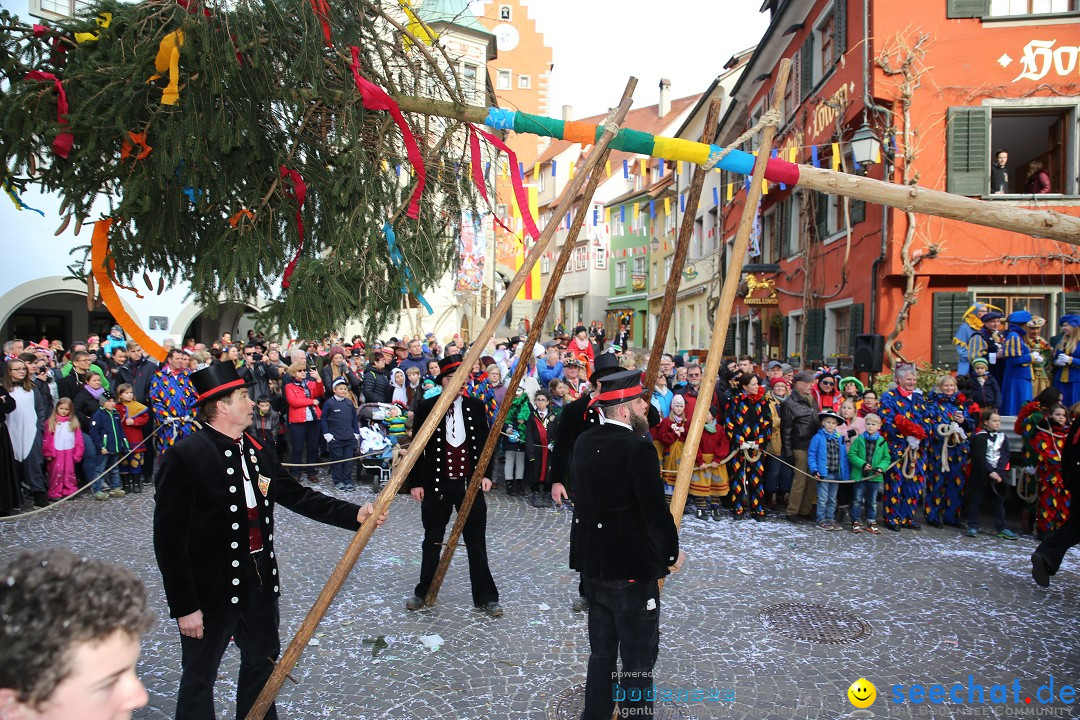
{"x": 814, "y": 623}
{"x": 569, "y": 703}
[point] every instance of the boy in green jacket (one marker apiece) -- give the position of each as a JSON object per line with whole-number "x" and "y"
{"x": 869, "y": 458}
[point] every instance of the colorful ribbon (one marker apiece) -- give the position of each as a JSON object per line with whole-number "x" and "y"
{"x": 399, "y": 261}
{"x": 234, "y": 220}
{"x": 322, "y": 11}
{"x": 9, "y": 188}
{"x": 103, "y": 20}
{"x": 136, "y": 140}
{"x": 416, "y": 27}
{"x": 168, "y": 61}
{"x": 298, "y": 192}
{"x": 62, "y": 142}
{"x": 478, "y": 177}
{"x": 101, "y": 267}
{"x": 516, "y": 179}
{"x": 375, "y": 98}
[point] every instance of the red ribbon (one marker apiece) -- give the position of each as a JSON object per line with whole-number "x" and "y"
{"x": 478, "y": 176}
{"x": 322, "y": 11}
{"x": 192, "y": 7}
{"x": 298, "y": 193}
{"x": 375, "y": 98}
{"x": 63, "y": 142}
{"x": 515, "y": 177}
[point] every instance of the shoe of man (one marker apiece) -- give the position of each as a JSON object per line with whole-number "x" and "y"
{"x": 493, "y": 609}
{"x": 716, "y": 514}
{"x": 101, "y": 495}
{"x": 580, "y": 604}
{"x": 1008, "y": 534}
{"x": 117, "y": 492}
{"x": 414, "y": 603}
{"x": 40, "y": 500}
{"x": 972, "y": 532}
{"x": 1040, "y": 570}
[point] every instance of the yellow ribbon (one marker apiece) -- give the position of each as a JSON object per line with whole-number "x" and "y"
{"x": 103, "y": 20}
{"x": 168, "y": 60}
{"x": 417, "y": 27}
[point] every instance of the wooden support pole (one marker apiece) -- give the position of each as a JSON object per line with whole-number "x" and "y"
{"x": 593, "y": 169}
{"x": 682, "y": 248}
{"x": 382, "y": 503}
{"x": 727, "y": 300}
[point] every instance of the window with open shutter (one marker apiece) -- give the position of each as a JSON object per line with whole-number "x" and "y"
{"x": 856, "y": 320}
{"x": 815, "y": 336}
{"x": 949, "y": 309}
{"x": 729, "y": 341}
{"x": 967, "y": 8}
{"x": 968, "y": 150}
{"x": 841, "y": 28}
{"x": 1068, "y": 304}
{"x": 821, "y": 216}
{"x": 806, "y": 74}
{"x": 858, "y": 212}
{"x": 785, "y": 351}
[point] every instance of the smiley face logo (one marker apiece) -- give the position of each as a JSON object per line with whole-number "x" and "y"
{"x": 862, "y": 693}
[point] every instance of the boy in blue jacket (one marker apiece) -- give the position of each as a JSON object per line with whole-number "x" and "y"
{"x": 828, "y": 463}
{"x": 341, "y": 430}
{"x": 108, "y": 435}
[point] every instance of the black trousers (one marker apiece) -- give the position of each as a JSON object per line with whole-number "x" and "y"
{"x": 1057, "y": 543}
{"x": 255, "y": 629}
{"x": 624, "y": 620}
{"x": 435, "y": 513}
{"x": 977, "y": 489}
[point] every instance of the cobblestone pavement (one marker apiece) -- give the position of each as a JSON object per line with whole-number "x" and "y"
{"x": 937, "y": 606}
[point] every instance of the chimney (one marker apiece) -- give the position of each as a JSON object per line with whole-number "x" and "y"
{"x": 665, "y": 98}
{"x": 567, "y": 112}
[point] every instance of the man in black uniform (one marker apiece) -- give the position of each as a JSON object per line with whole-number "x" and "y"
{"x": 438, "y": 481}
{"x": 622, "y": 541}
{"x": 214, "y": 540}
{"x": 1047, "y": 558}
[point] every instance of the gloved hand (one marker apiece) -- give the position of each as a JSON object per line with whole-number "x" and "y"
{"x": 1036, "y": 357}
{"x": 1062, "y": 360}
{"x": 328, "y": 437}
{"x": 913, "y": 442}
{"x": 1029, "y": 470}
{"x": 356, "y": 436}
{"x": 746, "y": 446}
{"x": 991, "y": 358}
{"x": 954, "y": 428}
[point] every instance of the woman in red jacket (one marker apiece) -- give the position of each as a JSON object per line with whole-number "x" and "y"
{"x": 302, "y": 394}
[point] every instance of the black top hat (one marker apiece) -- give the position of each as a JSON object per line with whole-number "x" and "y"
{"x": 619, "y": 387}
{"x": 447, "y": 366}
{"x": 216, "y": 380}
{"x": 606, "y": 363}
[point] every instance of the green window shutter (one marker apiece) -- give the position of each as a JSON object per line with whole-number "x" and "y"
{"x": 806, "y": 74}
{"x": 815, "y": 337}
{"x": 821, "y": 215}
{"x": 759, "y": 340}
{"x": 967, "y": 8}
{"x": 785, "y": 351}
{"x": 1068, "y": 304}
{"x": 729, "y": 341}
{"x": 785, "y": 228}
{"x": 949, "y": 309}
{"x": 840, "y": 29}
{"x": 858, "y": 212}
{"x": 856, "y": 327}
{"x": 968, "y": 151}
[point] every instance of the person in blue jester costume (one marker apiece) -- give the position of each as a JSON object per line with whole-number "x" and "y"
{"x": 951, "y": 425}
{"x": 986, "y": 343}
{"x": 971, "y": 323}
{"x": 172, "y": 400}
{"x": 1067, "y": 360}
{"x": 1019, "y": 360}
{"x": 904, "y": 416}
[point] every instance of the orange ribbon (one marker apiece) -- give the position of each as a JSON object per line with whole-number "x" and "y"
{"x": 137, "y": 140}
{"x": 235, "y": 219}
{"x": 101, "y": 266}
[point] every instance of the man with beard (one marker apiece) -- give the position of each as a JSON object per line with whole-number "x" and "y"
{"x": 623, "y": 541}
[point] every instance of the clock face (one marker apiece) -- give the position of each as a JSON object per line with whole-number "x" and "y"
{"x": 506, "y": 37}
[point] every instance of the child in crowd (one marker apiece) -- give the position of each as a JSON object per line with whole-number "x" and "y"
{"x": 63, "y": 449}
{"x": 539, "y": 433}
{"x": 702, "y": 478}
{"x": 828, "y": 463}
{"x": 868, "y": 459}
{"x": 109, "y": 438}
{"x": 341, "y": 431}
{"x": 557, "y": 389}
{"x": 266, "y": 427}
{"x": 395, "y": 422}
{"x": 1053, "y": 502}
{"x": 848, "y": 430}
{"x": 989, "y": 463}
{"x": 982, "y": 387}
{"x": 133, "y": 418}
{"x": 668, "y": 439}
{"x": 514, "y": 443}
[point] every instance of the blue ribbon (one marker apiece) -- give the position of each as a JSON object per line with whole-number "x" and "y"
{"x": 399, "y": 261}
{"x": 192, "y": 194}
{"x": 500, "y": 119}
{"x": 552, "y": 168}
{"x": 9, "y": 187}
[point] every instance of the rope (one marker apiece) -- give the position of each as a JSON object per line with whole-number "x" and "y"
{"x": 771, "y": 118}
{"x": 909, "y": 463}
{"x": 952, "y": 439}
{"x": 336, "y": 462}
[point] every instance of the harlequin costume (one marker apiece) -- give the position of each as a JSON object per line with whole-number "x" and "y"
{"x": 1054, "y": 497}
{"x": 748, "y": 420}
{"x": 1019, "y": 375}
{"x": 948, "y": 458}
{"x": 904, "y": 415}
{"x": 172, "y": 396}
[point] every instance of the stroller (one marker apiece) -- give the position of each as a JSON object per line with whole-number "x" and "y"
{"x": 376, "y": 447}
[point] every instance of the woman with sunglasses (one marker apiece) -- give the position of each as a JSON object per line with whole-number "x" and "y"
{"x": 826, "y": 393}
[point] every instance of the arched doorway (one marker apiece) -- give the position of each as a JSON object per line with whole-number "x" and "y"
{"x": 236, "y": 319}
{"x": 53, "y": 308}
{"x": 465, "y": 335}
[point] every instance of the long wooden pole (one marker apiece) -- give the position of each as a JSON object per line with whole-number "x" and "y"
{"x": 382, "y": 503}
{"x": 593, "y": 164}
{"x": 996, "y": 214}
{"x": 682, "y": 248}
{"x": 723, "y": 310}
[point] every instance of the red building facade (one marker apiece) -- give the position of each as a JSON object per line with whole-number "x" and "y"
{"x": 944, "y": 85}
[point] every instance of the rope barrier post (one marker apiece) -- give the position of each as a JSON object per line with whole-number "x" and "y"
{"x": 382, "y": 504}
{"x": 595, "y": 160}
{"x": 682, "y": 249}
{"x": 727, "y": 299}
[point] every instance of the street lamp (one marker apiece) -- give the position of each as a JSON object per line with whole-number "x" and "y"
{"x": 865, "y": 147}
{"x": 654, "y": 245}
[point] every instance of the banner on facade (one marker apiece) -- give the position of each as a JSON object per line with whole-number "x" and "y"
{"x": 470, "y": 276}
